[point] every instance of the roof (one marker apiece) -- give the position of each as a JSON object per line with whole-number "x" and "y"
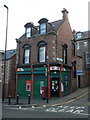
{"x": 9, "y": 54}
{"x": 51, "y": 26}
{"x": 85, "y": 35}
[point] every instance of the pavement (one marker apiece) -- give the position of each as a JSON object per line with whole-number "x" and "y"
{"x": 79, "y": 93}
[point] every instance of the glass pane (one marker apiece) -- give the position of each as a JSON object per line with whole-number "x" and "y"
{"x": 27, "y": 56}
{"x": 42, "y": 54}
{"x": 43, "y": 28}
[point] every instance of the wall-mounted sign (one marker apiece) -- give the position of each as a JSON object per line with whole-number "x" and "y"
{"x": 28, "y": 85}
{"x": 80, "y": 72}
{"x": 54, "y": 68}
{"x": 20, "y": 69}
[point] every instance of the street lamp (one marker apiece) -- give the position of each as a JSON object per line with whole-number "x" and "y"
{"x": 5, "y": 54}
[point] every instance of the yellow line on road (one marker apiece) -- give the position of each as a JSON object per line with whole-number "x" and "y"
{"x": 71, "y": 100}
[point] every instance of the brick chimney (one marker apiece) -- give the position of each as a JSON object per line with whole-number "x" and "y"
{"x": 65, "y": 13}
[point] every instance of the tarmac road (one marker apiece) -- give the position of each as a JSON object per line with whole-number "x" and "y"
{"x": 75, "y": 106}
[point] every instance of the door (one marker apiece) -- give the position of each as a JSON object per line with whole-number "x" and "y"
{"x": 79, "y": 81}
{"x": 55, "y": 88}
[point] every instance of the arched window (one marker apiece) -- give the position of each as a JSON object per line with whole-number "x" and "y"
{"x": 26, "y": 55}
{"x": 64, "y": 53}
{"x": 42, "y": 51}
{"x": 43, "y": 25}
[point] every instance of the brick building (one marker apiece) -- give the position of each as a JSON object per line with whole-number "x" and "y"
{"x": 10, "y": 73}
{"x": 83, "y": 57}
{"x": 45, "y": 60}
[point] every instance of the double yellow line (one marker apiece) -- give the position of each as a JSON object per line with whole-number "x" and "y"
{"x": 71, "y": 100}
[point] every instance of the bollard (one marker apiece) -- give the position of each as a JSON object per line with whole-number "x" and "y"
{"x": 17, "y": 99}
{"x": 9, "y": 100}
{"x": 28, "y": 98}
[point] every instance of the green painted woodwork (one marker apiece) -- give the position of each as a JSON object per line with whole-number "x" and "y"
{"x": 39, "y": 72}
{"x": 21, "y": 91}
{"x": 37, "y": 80}
{"x": 23, "y": 72}
{"x": 40, "y": 68}
{"x": 54, "y": 76}
{"x": 66, "y": 85}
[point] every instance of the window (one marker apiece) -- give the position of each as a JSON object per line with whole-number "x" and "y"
{"x": 43, "y": 28}
{"x": 74, "y": 69}
{"x": 42, "y": 54}
{"x": 79, "y": 35}
{"x": 73, "y": 49}
{"x": 78, "y": 47}
{"x": 26, "y": 58}
{"x": 85, "y": 44}
{"x": 64, "y": 47}
{"x": 28, "y": 32}
{"x": 42, "y": 51}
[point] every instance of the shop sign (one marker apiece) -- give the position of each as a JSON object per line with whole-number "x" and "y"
{"x": 54, "y": 68}
{"x": 20, "y": 69}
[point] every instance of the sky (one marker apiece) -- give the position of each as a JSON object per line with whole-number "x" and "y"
{"x": 24, "y": 11}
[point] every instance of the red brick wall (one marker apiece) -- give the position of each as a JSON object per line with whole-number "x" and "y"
{"x": 34, "y": 48}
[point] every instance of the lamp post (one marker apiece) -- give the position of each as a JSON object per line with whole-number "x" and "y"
{"x": 3, "y": 94}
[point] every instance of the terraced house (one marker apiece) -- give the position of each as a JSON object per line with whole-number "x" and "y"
{"x": 45, "y": 64}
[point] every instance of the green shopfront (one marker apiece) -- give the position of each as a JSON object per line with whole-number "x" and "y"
{"x": 55, "y": 79}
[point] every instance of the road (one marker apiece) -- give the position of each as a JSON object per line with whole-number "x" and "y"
{"x": 73, "y": 108}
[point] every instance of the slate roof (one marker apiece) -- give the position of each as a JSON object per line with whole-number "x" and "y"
{"x": 9, "y": 54}
{"x": 52, "y": 26}
{"x": 86, "y": 35}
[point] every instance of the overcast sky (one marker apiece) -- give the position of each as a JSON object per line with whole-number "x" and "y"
{"x": 23, "y": 11}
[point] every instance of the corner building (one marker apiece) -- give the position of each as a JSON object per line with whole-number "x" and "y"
{"x": 44, "y": 59}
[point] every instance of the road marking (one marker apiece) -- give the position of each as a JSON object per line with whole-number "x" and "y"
{"x": 73, "y": 109}
{"x": 70, "y": 100}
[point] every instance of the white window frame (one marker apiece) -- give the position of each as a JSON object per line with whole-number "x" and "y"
{"x": 78, "y": 46}
{"x": 28, "y": 32}
{"x": 26, "y": 56}
{"x": 43, "y": 28}
{"x": 42, "y": 54}
{"x": 85, "y": 43}
{"x": 79, "y": 35}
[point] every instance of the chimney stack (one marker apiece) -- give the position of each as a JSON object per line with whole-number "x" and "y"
{"x": 65, "y": 13}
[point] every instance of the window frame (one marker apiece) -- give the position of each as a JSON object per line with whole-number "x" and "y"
{"x": 43, "y": 30}
{"x": 64, "y": 53}
{"x": 28, "y": 34}
{"x": 78, "y": 46}
{"x": 42, "y": 44}
{"x": 85, "y": 43}
{"x": 73, "y": 49}
{"x": 26, "y": 47}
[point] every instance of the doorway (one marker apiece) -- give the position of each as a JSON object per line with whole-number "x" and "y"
{"x": 79, "y": 81}
{"x": 55, "y": 88}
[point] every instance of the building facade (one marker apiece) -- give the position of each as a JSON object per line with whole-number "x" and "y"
{"x": 10, "y": 73}
{"x": 44, "y": 59}
{"x": 83, "y": 58}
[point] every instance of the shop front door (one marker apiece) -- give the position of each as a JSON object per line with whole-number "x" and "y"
{"x": 55, "y": 88}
